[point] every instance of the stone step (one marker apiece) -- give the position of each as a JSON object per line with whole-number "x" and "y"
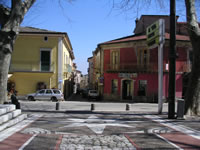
{"x": 13, "y": 121}
{"x": 6, "y": 108}
{"x": 10, "y": 115}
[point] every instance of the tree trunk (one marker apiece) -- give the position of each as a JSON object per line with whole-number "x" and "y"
{"x": 6, "y": 46}
{"x": 4, "y": 67}
{"x": 192, "y": 100}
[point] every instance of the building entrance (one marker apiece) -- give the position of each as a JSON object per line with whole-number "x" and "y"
{"x": 127, "y": 89}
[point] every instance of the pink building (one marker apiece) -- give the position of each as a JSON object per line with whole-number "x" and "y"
{"x": 130, "y": 69}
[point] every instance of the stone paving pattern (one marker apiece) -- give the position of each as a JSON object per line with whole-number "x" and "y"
{"x": 96, "y": 142}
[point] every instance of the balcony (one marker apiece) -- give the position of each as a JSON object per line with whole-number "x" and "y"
{"x": 30, "y": 67}
{"x": 131, "y": 67}
{"x": 153, "y": 67}
{"x": 67, "y": 68}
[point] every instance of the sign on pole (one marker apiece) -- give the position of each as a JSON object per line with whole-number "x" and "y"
{"x": 156, "y": 33}
{"x": 156, "y": 38}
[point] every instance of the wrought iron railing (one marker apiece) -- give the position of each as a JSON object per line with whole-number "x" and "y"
{"x": 134, "y": 67}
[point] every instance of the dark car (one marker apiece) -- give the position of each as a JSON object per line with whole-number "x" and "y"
{"x": 84, "y": 93}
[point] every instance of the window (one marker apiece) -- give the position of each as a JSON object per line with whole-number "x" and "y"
{"x": 65, "y": 59}
{"x": 42, "y": 91}
{"x": 142, "y": 88}
{"x": 143, "y": 57}
{"x": 56, "y": 91}
{"x": 48, "y": 92}
{"x": 115, "y": 59}
{"x": 45, "y": 60}
{"x": 45, "y": 38}
{"x": 114, "y": 86}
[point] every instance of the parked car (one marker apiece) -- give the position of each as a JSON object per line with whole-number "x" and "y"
{"x": 46, "y": 94}
{"x": 84, "y": 93}
{"x": 93, "y": 94}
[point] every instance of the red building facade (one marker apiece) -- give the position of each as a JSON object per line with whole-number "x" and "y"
{"x": 130, "y": 69}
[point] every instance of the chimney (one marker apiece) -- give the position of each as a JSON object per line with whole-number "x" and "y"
{"x": 136, "y": 21}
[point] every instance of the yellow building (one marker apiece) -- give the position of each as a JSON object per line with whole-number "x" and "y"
{"x": 41, "y": 59}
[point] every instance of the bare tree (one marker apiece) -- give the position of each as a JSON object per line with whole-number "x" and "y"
{"x": 192, "y": 101}
{"x": 10, "y": 20}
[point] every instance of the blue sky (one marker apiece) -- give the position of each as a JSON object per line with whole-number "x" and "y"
{"x": 90, "y": 22}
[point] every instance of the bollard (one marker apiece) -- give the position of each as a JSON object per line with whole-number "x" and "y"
{"x": 57, "y": 106}
{"x": 128, "y": 106}
{"x": 92, "y": 107}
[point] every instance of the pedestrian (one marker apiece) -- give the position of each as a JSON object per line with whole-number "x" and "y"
{"x": 14, "y": 99}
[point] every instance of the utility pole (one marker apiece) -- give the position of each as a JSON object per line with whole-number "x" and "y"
{"x": 172, "y": 61}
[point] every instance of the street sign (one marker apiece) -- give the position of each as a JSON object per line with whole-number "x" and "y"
{"x": 155, "y": 33}
{"x": 152, "y": 31}
{"x": 156, "y": 38}
{"x": 153, "y": 43}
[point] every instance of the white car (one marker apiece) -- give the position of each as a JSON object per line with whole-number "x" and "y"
{"x": 93, "y": 94}
{"x": 46, "y": 94}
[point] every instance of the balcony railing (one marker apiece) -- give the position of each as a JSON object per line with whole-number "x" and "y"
{"x": 30, "y": 67}
{"x": 67, "y": 68}
{"x": 131, "y": 67}
{"x": 134, "y": 67}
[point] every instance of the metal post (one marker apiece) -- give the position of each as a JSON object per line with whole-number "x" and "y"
{"x": 128, "y": 106}
{"x": 172, "y": 60}
{"x": 160, "y": 78}
{"x": 58, "y": 106}
{"x": 92, "y": 107}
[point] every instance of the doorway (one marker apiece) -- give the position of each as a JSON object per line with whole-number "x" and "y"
{"x": 127, "y": 89}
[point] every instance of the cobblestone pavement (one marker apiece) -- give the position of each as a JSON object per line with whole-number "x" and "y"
{"x": 96, "y": 142}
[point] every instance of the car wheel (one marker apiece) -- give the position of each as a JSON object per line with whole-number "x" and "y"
{"x": 31, "y": 98}
{"x": 54, "y": 99}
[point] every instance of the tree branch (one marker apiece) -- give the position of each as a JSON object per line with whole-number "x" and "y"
{"x": 4, "y": 14}
{"x": 27, "y": 5}
{"x": 18, "y": 11}
{"x": 194, "y": 29}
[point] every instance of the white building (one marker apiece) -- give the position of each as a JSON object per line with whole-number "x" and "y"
{"x": 77, "y": 80}
{"x": 84, "y": 82}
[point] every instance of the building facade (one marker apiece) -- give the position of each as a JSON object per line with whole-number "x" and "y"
{"x": 41, "y": 59}
{"x": 90, "y": 72}
{"x": 129, "y": 69}
{"x": 84, "y": 82}
{"x": 77, "y": 81}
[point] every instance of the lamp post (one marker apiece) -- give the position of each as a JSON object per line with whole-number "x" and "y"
{"x": 172, "y": 61}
